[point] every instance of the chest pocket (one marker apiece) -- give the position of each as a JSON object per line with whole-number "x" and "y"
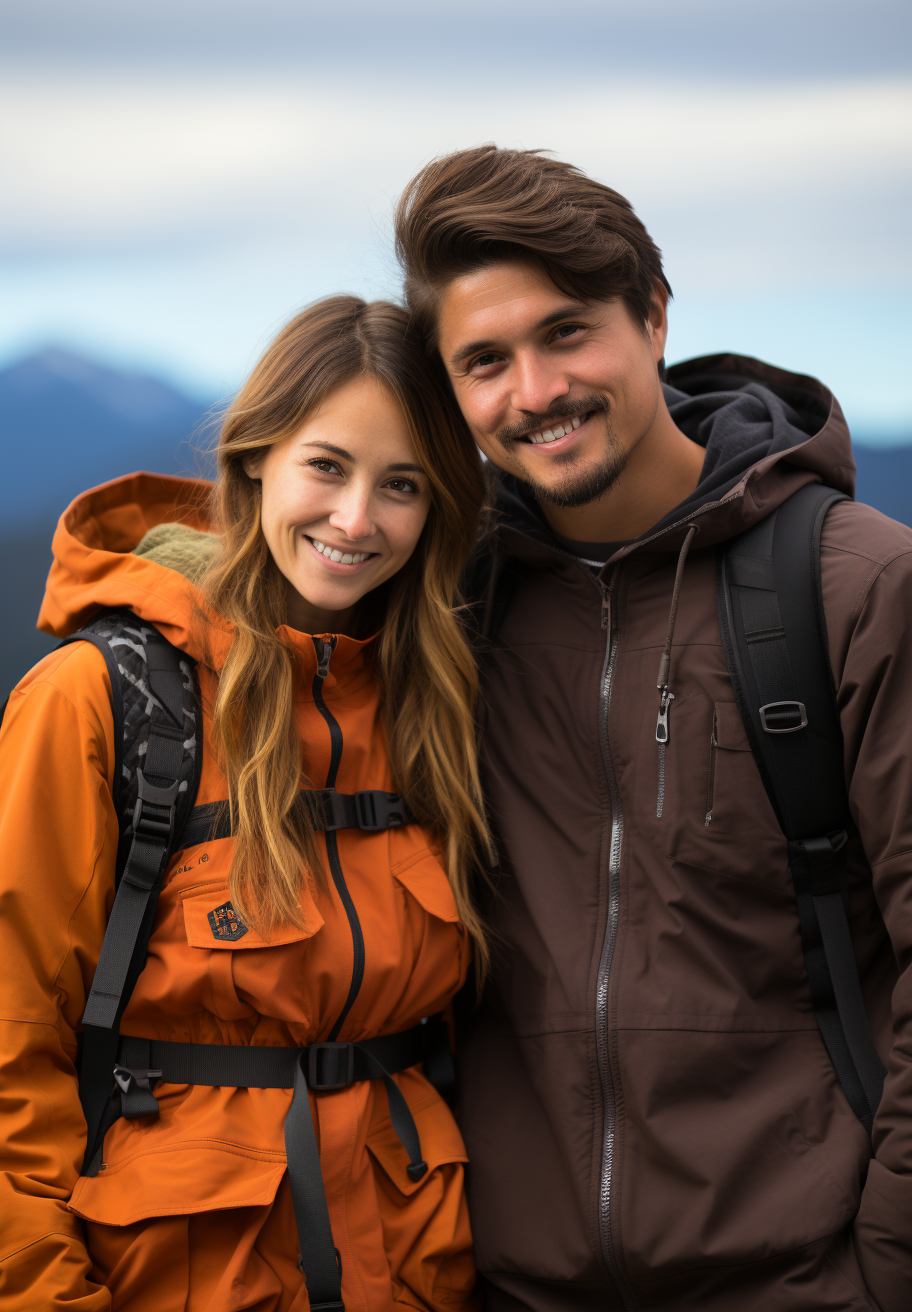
{"x": 715, "y": 813}
{"x": 212, "y": 924}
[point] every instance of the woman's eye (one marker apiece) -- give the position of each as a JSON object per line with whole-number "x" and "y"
{"x": 324, "y": 466}
{"x": 402, "y": 485}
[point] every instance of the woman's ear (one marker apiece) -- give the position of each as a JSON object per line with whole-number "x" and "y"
{"x": 252, "y": 462}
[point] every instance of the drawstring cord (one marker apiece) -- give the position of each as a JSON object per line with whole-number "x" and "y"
{"x": 666, "y": 697}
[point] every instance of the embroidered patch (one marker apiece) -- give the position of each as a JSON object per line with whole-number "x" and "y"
{"x": 225, "y": 923}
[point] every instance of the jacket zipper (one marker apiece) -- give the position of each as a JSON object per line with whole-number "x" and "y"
{"x": 609, "y": 1106}
{"x": 324, "y": 652}
{"x": 711, "y": 787}
{"x": 662, "y": 740}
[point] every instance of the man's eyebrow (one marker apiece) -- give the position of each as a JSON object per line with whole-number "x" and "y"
{"x": 564, "y": 312}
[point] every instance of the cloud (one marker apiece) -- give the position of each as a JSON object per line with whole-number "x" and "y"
{"x": 755, "y": 184}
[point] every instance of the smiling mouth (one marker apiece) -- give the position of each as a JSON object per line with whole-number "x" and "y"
{"x": 545, "y": 435}
{"x": 338, "y": 556}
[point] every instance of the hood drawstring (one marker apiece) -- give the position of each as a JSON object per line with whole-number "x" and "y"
{"x": 666, "y": 697}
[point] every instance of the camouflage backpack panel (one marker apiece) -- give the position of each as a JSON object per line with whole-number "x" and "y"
{"x": 126, "y": 638}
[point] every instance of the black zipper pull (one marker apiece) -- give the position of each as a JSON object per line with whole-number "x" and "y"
{"x": 324, "y": 652}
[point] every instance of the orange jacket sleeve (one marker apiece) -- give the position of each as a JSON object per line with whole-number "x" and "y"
{"x": 58, "y": 840}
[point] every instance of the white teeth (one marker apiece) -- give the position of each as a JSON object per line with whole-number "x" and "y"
{"x": 344, "y": 558}
{"x": 552, "y": 434}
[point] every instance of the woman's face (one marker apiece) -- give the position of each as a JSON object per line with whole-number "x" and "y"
{"x": 344, "y": 501}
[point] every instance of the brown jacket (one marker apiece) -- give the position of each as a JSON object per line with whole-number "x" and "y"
{"x": 651, "y": 1116}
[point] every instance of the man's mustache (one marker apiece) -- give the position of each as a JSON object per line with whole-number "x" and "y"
{"x": 564, "y": 409}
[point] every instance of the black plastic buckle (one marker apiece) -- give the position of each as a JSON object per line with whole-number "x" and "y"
{"x": 330, "y": 809}
{"x": 126, "y": 1079}
{"x": 153, "y": 815}
{"x": 377, "y": 810}
{"x": 339, "y": 1067}
{"x": 783, "y": 717}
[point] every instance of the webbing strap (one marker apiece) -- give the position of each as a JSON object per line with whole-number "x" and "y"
{"x": 153, "y": 825}
{"x": 774, "y": 630}
{"x": 370, "y": 810}
{"x": 322, "y": 1067}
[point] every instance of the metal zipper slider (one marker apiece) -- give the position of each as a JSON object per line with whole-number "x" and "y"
{"x": 662, "y": 721}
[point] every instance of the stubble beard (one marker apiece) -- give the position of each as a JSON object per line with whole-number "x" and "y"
{"x": 581, "y": 486}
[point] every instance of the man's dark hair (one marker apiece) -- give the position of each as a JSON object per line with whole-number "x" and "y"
{"x": 477, "y": 207}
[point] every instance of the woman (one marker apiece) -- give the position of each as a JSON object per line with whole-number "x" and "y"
{"x": 328, "y": 657}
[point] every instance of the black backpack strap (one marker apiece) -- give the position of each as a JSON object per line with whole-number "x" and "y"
{"x": 370, "y": 810}
{"x": 155, "y": 708}
{"x": 774, "y": 633}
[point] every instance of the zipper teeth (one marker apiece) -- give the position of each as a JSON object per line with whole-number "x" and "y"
{"x": 601, "y": 1003}
{"x": 332, "y": 852}
{"x": 711, "y": 790}
{"x": 660, "y": 799}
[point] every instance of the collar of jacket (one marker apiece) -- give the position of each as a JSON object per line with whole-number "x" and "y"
{"x": 808, "y": 442}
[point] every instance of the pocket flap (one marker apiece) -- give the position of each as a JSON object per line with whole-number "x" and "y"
{"x": 440, "y": 1142}
{"x": 730, "y": 734}
{"x": 211, "y": 921}
{"x": 208, "y": 1149}
{"x": 425, "y": 878}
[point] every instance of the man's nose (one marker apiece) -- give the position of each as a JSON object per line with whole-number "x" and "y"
{"x": 537, "y": 384}
{"x": 352, "y": 515}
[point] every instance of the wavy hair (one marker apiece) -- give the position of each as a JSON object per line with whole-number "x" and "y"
{"x": 423, "y": 661}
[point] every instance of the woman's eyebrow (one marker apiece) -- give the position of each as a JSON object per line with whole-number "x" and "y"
{"x": 405, "y": 469}
{"x": 336, "y": 450}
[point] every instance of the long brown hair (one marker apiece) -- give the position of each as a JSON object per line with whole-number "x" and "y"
{"x": 426, "y": 670}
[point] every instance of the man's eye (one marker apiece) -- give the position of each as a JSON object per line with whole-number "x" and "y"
{"x": 482, "y": 361}
{"x": 567, "y": 330}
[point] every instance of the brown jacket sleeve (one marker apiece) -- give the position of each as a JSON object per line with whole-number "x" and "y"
{"x": 58, "y": 837}
{"x": 867, "y": 576}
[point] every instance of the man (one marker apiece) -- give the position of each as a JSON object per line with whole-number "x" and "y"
{"x": 652, "y": 1117}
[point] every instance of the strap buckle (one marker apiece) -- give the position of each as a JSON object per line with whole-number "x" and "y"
{"x": 783, "y": 717}
{"x": 378, "y": 810}
{"x": 126, "y": 1079}
{"x": 153, "y": 815}
{"x": 330, "y": 1066}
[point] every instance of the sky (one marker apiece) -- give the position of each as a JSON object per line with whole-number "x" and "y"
{"x": 181, "y": 177}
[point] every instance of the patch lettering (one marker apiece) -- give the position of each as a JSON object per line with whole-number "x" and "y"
{"x": 226, "y": 924}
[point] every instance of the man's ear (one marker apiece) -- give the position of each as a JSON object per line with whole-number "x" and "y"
{"x": 657, "y": 321}
{"x": 252, "y": 462}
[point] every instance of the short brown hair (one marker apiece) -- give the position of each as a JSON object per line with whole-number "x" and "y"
{"x": 476, "y": 207}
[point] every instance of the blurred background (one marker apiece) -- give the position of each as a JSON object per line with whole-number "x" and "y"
{"x": 180, "y": 177}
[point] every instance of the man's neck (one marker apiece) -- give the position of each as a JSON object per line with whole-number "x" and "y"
{"x": 663, "y": 468}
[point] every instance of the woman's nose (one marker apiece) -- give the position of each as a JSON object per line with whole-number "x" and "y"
{"x": 352, "y": 516}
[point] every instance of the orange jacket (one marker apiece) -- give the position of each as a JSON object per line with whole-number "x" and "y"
{"x": 192, "y": 1209}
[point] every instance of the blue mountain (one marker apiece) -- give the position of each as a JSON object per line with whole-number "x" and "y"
{"x": 69, "y": 423}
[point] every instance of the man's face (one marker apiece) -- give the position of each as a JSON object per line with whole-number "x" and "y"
{"x": 556, "y": 391}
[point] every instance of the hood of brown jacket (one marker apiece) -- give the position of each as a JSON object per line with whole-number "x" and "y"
{"x": 766, "y": 432}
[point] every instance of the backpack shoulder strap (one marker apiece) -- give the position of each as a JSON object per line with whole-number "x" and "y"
{"x": 774, "y": 633}
{"x": 156, "y": 718}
